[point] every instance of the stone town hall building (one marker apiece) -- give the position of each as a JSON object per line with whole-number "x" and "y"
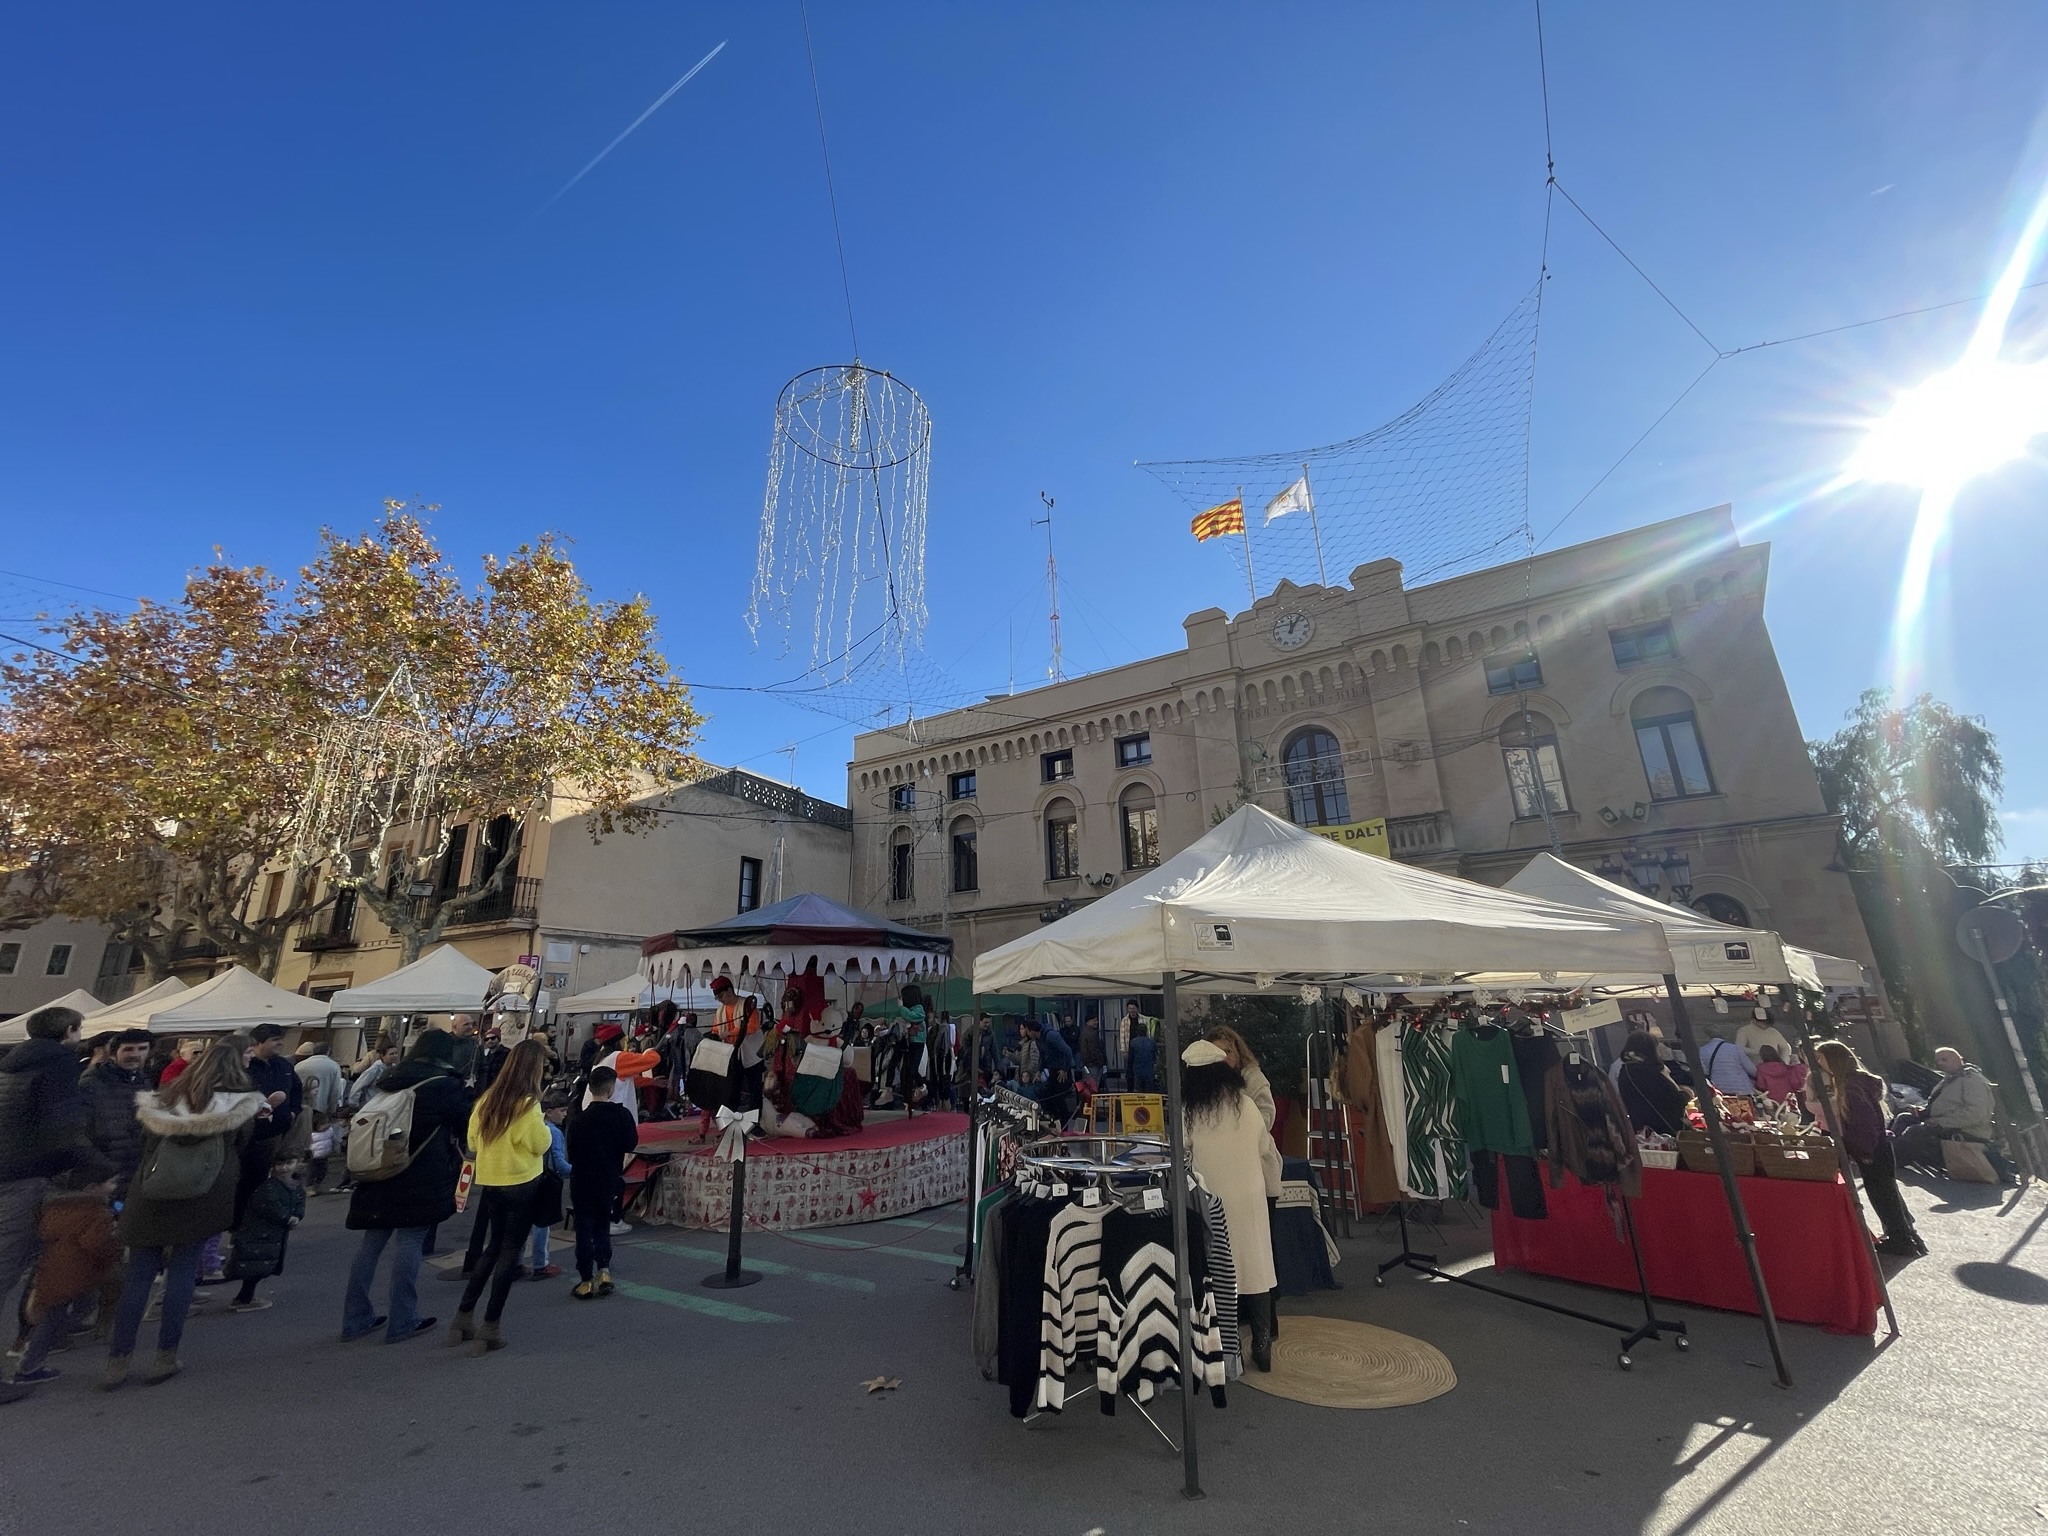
{"x": 1630, "y": 681}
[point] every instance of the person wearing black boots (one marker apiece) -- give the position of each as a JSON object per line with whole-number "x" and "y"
{"x": 1851, "y": 1105}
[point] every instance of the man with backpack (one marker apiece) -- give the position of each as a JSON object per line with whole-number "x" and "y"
{"x": 405, "y": 1156}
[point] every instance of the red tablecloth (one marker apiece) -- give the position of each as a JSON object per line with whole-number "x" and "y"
{"x": 1814, "y": 1258}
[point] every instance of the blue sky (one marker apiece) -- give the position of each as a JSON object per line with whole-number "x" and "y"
{"x": 266, "y": 266}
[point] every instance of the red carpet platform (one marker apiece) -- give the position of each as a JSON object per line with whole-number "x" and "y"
{"x": 893, "y": 1167}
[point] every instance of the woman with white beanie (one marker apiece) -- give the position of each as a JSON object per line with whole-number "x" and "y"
{"x": 1235, "y": 1156}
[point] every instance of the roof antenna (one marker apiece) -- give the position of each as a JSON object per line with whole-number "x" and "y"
{"x": 1057, "y": 671}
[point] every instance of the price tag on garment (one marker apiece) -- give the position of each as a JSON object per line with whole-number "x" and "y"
{"x": 1503, "y": 1071}
{"x": 1091, "y": 1196}
{"x": 1059, "y": 1191}
{"x": 1154, "y": 1200}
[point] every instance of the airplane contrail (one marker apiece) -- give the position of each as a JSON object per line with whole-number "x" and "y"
{"x": 615, "y": 143}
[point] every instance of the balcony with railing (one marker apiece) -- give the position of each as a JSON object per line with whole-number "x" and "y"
{"x": 1419, "y": 837}
{"x": 517, "y": 902}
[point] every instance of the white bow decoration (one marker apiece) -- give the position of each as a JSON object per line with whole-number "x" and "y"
{"x": 733, "y": 1144}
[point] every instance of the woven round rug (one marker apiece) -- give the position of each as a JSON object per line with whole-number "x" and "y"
{"x": 1330, "y": 1363}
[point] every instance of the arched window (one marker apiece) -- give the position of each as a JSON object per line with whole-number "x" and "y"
{"x": 966, "y": 856}
{"x": 902, "y": 864}
{"x": 1314, "y": 766}
{"x": 1668, "y": 736}
{"x": 1528, "y": 745}
{"x": 1723, "y": 909}
{"x": 1062, "y": 841}
{"x": 1139, "y": 814}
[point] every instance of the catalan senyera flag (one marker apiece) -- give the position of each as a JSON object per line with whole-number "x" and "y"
{"x": 1217, "y": 521}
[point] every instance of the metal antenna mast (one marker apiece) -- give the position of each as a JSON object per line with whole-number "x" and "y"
{"x": 1057, "y": 671}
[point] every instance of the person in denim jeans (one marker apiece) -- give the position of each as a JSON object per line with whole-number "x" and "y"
{"x": 167, "y": 1231}
{"x": 400, "y": 1211}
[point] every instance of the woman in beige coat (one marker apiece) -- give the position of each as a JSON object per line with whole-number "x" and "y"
{"x": 1234, "y": 1153}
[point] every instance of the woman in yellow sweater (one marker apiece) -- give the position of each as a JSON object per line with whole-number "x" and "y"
{"x": 509, "y": 1139}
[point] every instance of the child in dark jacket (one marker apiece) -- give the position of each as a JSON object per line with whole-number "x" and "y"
{"x": 80, "y": 1249}
{"x": 275, "y": 1208}
{"x": 601, "y": 1138}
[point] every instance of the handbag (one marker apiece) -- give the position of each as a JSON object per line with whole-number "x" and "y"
{"x": 1964, "y": 1159}
{"x": 712, "y": 1081}
{"x": 547, "y": 1200}
{"x": 815, "y": 1087}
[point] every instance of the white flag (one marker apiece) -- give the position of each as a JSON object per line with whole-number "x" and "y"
{"x": 1293, "y": 499}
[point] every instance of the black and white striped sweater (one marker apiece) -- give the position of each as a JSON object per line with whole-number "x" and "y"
{"x": 1137, "y": 1336}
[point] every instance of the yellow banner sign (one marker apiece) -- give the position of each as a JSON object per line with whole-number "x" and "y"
{"x": 1365, "y": 836}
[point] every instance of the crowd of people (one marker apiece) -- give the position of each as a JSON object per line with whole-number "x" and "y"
{"x": 1851, "y": 1103}
{"x": 133, "y": 1181}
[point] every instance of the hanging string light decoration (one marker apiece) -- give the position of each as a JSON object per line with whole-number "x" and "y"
{"x": 371, "y": 771}
{"x": 841, "y": 549}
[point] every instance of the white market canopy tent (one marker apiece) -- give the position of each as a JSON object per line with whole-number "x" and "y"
{"x": 1833, "y": 970}
{"x": 14, "y": 1031}
{"x": 1260, "y": 904}
{"x": 443, "y": 980}
{"x": 1708, "y": 954}
{"x": 133, "y": 1012}
{"x": 622, "y": 996}
{"x": 235, "y": 999}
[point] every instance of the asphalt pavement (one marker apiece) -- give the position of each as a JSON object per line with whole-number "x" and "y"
{"x": 674, "y": 1407}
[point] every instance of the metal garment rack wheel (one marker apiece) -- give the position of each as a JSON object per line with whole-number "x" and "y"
{"x": 1651, "y": 1327}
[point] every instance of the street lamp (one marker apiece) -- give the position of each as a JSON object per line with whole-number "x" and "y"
{"x": 1610, "y": 868}
{"x": 1644, "y": 868}
{"x": 1678, "y": 875}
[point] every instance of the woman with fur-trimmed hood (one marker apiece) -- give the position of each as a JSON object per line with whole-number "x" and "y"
{"x": 191, "y": 1128}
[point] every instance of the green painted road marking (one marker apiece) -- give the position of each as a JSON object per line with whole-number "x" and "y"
{"x": 821, "y": 1239}
{"x": 766, "y": 1266}
{"x": 948, "y": 1223}
{"x": 730, "y": 1312}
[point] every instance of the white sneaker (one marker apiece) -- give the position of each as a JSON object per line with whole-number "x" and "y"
{"x": 621, "y": 1228}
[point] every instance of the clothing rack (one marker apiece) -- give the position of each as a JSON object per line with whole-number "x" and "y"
{"x": 997, "y": 1110}
{"x": 1109, "y": 1166}
{"x": 1632, "y": 1334}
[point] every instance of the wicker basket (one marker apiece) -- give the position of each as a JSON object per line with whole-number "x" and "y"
{"x": 1804, "y": 1157}
{"x": 1696, "y": 1152}
{"x": 1660, "y": 1157}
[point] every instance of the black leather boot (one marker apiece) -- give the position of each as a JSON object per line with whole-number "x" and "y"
{"x": 1259, "y": 1313}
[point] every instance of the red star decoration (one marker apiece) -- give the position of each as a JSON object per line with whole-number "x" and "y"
{"x": 867, "y": 1198}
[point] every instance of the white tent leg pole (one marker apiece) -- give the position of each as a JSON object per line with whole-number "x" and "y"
{"x": 1178, "y": 1192}
{"x": 1711, "y": 1113}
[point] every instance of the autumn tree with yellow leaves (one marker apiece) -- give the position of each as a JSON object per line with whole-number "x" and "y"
{"x": 155, "y": 766}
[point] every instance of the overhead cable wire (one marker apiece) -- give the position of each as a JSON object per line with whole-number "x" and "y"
{"x": 831, "y": 194}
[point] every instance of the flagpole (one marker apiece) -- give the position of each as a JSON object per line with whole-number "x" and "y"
{"x": 1314, "y": 527}
{"x": 1245, "y": 525}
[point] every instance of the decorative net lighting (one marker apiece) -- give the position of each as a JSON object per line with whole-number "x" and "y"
{"x": 371, "y": 771}
{"x": 842, "y": 542}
